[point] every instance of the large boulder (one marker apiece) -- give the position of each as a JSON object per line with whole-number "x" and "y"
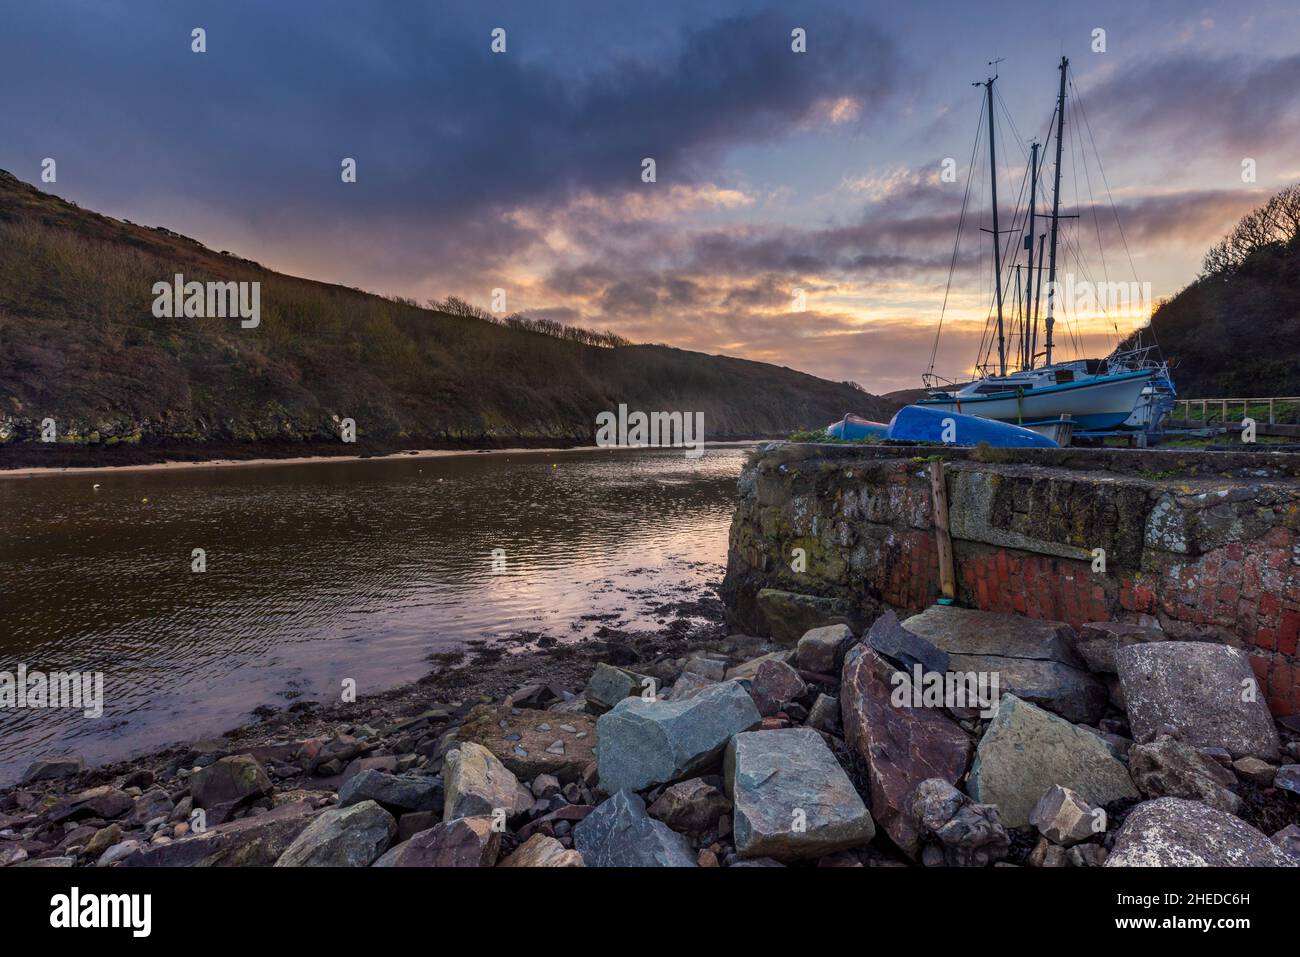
{"x": 229, "y": 782}
{"x": 1166, "y": 767}
{"x": 619, "y": 833}
{"x": 899, "y": 746}
{"x": 540, "y": 850}
{"x": 1207, "y": 693}
{"x": 396, "y": 793}
{"x": 790, "y": 615}
{"x": 1172, "y": 832}
{"x": 1026, "y": 750}
{"x": 464, "y": 842}
{"x": 248, "y": 842}
{"x": 792, "y": 799}
{"x": 531, "y": 742}
{"x": 1034, "y": 660}
{"x": 477, "y": 784}
{"x": 643, "y": 743}
{"x": 957, "y": 832}
{"x": 342, "y": 837}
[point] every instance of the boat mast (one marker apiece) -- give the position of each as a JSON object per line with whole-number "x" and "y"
{"x": 1029, "y": 245}
{"x": 997, "y": 252}
{"x": 1056, "y": 209}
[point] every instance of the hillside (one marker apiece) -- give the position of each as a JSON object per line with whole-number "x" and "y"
{"x": 1235, "y": 331}
{"x": 79, "y": 343}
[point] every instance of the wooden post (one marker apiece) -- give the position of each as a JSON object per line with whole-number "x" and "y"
{"x": 947, "y": 576}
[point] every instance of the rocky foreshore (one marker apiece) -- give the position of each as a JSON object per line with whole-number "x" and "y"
{"x": 1110, "y": 745}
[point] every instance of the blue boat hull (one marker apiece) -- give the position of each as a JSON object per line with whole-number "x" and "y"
{"x": 915, "y": 423}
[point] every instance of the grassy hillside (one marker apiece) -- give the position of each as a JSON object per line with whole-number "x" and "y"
{"x": 79, "y": 344}
{"x": 1235, "y": 331}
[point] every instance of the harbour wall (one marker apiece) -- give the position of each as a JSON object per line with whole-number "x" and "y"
{"x": 1206, "y": 542}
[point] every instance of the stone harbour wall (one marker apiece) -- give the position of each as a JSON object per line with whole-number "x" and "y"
{"x": 1206, "y": 542}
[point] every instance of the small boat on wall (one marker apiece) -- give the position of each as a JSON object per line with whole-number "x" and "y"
{"x": 922, "y": 423}
{"x": 1035, "y": 395}
{"x": 855, "y": 427}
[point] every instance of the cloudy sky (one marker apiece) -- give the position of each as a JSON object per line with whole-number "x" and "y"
{"x": 775, "y": 170}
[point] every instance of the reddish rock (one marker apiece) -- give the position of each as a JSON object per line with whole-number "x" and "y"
{"x": 774, "y": 685}
{"x": 542, "y": 851}
{"x": 464, "y": 842}
{"x": 901, "y": 747}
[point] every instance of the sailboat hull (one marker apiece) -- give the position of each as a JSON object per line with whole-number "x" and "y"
{"x": 1099, "y": 403}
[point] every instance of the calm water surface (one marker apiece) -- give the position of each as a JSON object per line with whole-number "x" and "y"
{"x": 321, "y": 571}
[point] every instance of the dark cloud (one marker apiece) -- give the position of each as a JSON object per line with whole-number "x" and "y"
{"x": 1188, "y": 101}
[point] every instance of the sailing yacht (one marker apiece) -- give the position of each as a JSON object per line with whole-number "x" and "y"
{"x": 1126, "y": 389}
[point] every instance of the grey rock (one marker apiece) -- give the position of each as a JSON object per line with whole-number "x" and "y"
{"x": 688, "y": 686}
{"x": 1254, "y": 770}
{"x": 397, "y": 794}
{"x": 889, "y": 638}
{"x": 1207, "y": 693}
{"x": 746, "y": 670}
{"x": 1099, "y": 640}
{"x": 691, "y": 807}
{"x": 1026, "y": 750}
{"x": 792, "y": 799}
{"x": 248, "y": 842}
{"x": 1034, "y": 660}
{"x": 964, "y": 834}
{"x": 49, "y": 769}
{"x": 822, "y": 649}
{"x": 1064, "y": 818}
{"x": 643, "y": 743}
{"x": 342, "y": 837}
{"x": 1086, "y": 855}
{"x": 1172, "y": 832}
{"x": 619, "y": 833}
{"x": 47, "y": 862}
{"x": 229, "y": 781}
{"x": 477, "y": 784}
{"x": 118, "y": 853}
{"x": 11, "y": 853}
{"x": 1288, "y": 778}
{"x": 1289, "y": 840}
{"x": 609, "y": 685}
{"x": 824, "y": 715}
{"x": 790, "y": 615}
{"x": 706, "y": 666}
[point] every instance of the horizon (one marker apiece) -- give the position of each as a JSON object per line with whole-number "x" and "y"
{"x": 817, "y": 171}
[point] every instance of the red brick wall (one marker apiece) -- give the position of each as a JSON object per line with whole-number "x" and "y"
{"x": 1245, "y": 593}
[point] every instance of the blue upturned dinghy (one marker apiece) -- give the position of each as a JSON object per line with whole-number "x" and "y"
{"x": 917, "y": 423}
{"x": 856, "y": 427}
